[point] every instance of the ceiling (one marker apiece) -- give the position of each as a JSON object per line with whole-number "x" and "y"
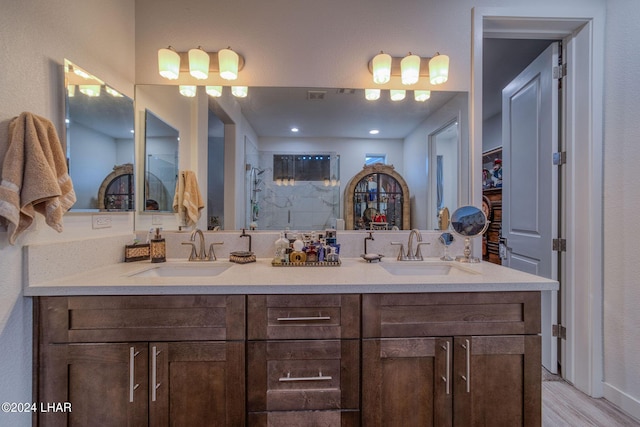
{"x": 335, "y": 113}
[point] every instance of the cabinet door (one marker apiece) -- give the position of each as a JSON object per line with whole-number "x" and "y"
{"x": 197, "y": 384}
{"x": 497, "y": 381}
{"x": 105, "y": 383}
{"x": 407, "y": 382}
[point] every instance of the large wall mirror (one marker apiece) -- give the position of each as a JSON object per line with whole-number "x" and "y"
{"x": 329, "y": 121}
{"x": 161, "y": 163}
{"x": 100, "y": 142}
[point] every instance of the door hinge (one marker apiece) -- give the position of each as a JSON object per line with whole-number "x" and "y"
{"x": 560, "y": 71}
{"x": 559, "y": 331}
{"x": 560, "y": 158}
{"x": 560, "y": 245}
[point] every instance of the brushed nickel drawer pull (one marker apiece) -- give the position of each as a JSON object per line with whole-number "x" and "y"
{"x": 320, "y": 377}
{"x": 466, "y": 378}
{"x": 303, "y": 318}
{"x": 446, "y": 377}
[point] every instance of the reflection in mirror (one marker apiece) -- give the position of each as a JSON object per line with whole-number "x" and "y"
{"x": 443, "y": 167}
{"x": 100, "y": 142}
{"x": 446, "y": 239}
{"x": 468, "y": 221}
{"x": 161, "y": 163}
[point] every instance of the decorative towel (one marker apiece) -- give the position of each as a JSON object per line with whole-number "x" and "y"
{"x": 34, "y": 176}
{"x": 187, "y": 202}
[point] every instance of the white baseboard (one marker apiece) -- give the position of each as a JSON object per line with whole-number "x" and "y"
{"x": 622, "y": 400}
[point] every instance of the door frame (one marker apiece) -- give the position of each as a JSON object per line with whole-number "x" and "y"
{"x": 583, "y": 189}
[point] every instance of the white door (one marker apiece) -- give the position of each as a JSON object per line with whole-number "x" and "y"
{"x": 530, "y": 182}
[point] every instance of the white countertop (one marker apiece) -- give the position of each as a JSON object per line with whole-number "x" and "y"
{"x": 355, "y": 275}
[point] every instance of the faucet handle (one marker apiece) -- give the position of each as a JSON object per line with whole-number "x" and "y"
{"x": 401, "y": 255}
{"x": 418, "y": 252}
{"x": 212, "y": 254}
{"x": 193, "y": 254}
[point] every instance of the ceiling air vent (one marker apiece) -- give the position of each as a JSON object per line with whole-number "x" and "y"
{"x": 316, "y": 95}
{"x": 346, "y": 91}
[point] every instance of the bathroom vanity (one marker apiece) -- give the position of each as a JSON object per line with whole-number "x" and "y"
{"x": 372, "y": 344}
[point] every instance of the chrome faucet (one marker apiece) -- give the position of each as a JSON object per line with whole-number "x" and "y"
{"x": 201, "y": 254}
{"x": 411, "y": 255}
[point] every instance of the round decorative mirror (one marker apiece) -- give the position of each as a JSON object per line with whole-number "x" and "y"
{"x": 468, "y": 222}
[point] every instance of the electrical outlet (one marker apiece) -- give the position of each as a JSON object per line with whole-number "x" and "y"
{"x": 156, "y": 219}
{"x": 100, "y": 221}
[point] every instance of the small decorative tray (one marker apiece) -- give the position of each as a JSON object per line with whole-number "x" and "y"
{"x": 308, "y": 264}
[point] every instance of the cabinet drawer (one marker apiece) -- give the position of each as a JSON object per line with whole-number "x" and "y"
{"x": 303, "y": 375}
{"x": 305, "y": 418}
{"x": 142, "y": 318}
{"x": 303, "y": 316}
{"x": 445, "y": 314}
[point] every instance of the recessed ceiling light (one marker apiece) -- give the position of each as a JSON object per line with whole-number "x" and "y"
{"x": 374, "y": 131}
{"x": 294, "y": 129}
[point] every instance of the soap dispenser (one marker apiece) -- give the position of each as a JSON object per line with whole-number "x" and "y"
{"x": 158, "y": 248}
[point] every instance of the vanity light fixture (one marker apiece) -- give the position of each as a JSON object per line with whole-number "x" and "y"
{"x": 381, "y": 68}
{"x": 398, "y": 94}
{"x": 438, "y": 69}
{"x": 294, "y": 130}
{"x": 199, "y": 63}
{"x": 374, "y": 131}
{"x": 169, "y": 63}
{"x": 410, "y": 69}
{"x": 111, "y": 91}
{"x": 421, "y": 95}
{"x": 214, "y": 91}
{"x": 90, "y": 90}
{"x": 71, "y": 90}
{"x": 372, "y": 94}
{"x": 188, "y": 90}
{"x": 240, "y": 91}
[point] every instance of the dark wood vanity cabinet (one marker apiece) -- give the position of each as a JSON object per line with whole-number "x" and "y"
{"x": 142, "y": 360}
{"x": 424, "y": 359}
{"x": 303, "y": 360}
{"x": 451, "y": 359}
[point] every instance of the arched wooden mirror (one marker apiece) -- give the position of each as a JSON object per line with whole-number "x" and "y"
{"x": 377, "y": 198}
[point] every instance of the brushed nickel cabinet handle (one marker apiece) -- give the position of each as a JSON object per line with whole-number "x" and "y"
{"x": 154, "y": 373}
{"x": 467, "y": 347}
{"x": 446, "y": 378}
{"x": 303, "y": 318}
{"x": 132, "y": 372}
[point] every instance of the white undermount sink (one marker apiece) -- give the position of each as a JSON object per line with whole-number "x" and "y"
{"x": 419, "y": 268}
{"x": 185, "y": 269}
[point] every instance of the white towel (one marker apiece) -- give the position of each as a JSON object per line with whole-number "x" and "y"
{"x": 34, "y": 176}
{"x": 187, "y": 201}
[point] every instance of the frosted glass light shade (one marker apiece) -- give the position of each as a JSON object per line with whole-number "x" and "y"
{"x": 398, "y": 94}
{"x": 410, "y": 69}
{"x": 228, "y": 64}
{"x": 439, "y": 69}
{"x": 169, "y": 63}
{"x": 381, "y": 65}
{"x": 188, "y": 90}
{"x": 90, "y": 90}
{"x": 372, "y": 94}
{"x": 198, "y": 63}
{"x": 421, "y": 95}
{"x": 240, "y": 91}
{"x": 215, "y": 91}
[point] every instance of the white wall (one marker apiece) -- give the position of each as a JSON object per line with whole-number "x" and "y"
{"x": 621, "y": 206}
{"x": 416, "y": 156}
{"x": 35, "y": 37}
